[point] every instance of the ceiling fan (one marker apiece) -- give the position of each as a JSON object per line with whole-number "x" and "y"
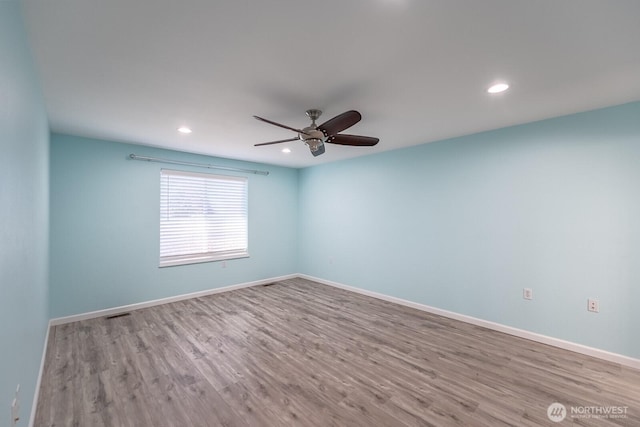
{"x": 315, "y": 136}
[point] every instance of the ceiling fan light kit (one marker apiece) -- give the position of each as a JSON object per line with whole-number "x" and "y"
{"x": 315, "y": 136}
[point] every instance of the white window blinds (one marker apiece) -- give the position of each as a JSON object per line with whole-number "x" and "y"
{"x": 203, "y": 217}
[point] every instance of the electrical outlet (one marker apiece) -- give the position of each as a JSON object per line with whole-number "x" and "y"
{"x": 593, "y": 305}
{"x": 15, "y": 407}
{"x": 527, "y": 293}
{"x": 15, "y": 411}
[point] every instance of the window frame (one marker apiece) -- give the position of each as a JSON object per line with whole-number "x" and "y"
{"x": 202, "y": 257}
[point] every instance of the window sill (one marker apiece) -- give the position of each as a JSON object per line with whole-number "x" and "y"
{"x": 186, "y": 260}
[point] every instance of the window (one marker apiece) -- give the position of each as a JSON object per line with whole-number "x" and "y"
{"x": 203, "y": 217}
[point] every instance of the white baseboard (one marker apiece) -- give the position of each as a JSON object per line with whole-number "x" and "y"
{"x": 32, "y": 417}
{"x": 137, "y": 306}
{"x": 544, "y": 339}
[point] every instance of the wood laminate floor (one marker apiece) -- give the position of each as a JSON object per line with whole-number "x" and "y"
{"x": 304, "y": 354}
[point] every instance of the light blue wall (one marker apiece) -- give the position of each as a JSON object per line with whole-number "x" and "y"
{"x": 24, "y": 214}
{"x": 105, "y": 227}
{"x": 466, "y": 224}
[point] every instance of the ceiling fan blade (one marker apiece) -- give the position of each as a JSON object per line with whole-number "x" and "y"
{"x": 280, "y": 125}
{"x": 357, "y": 140}
{"x": 340, "y": 123}
{"x": 275, "y": 142}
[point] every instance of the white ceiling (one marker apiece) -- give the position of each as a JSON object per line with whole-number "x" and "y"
{"x": 417, "y": 70}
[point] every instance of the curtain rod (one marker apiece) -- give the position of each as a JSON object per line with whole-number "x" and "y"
{"x": 199, "y": 165}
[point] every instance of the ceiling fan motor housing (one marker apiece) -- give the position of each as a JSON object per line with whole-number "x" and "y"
{"x": 311, "y": 132}
{"x": 313, "y": 138}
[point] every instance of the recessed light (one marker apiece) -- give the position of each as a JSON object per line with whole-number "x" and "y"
{"x": 286, "y": 150}
{"x": 184, "y": 129}
{"x": 497, "y": 88}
